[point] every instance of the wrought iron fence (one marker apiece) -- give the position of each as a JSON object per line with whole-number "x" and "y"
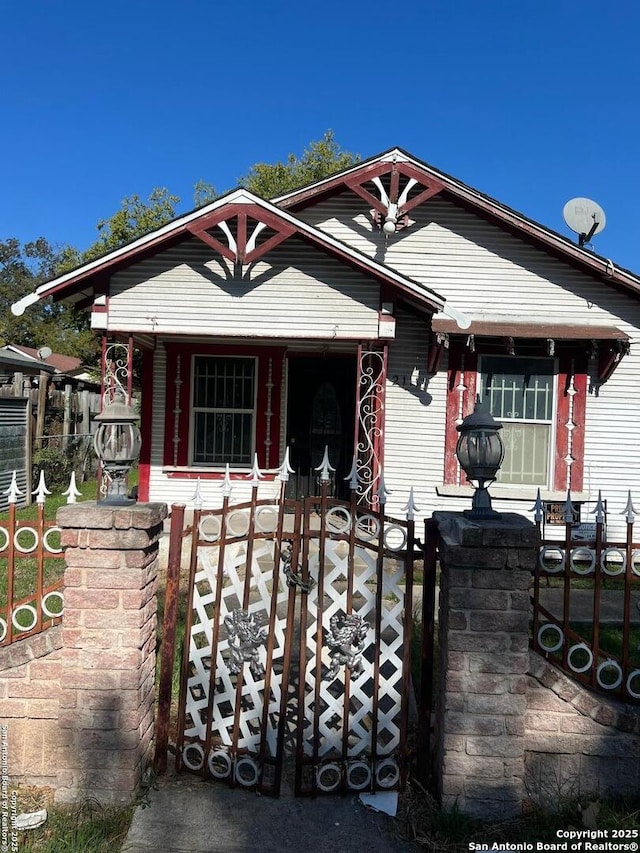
{"x": 586, "y": 602}
{"x": 31, "y": 567}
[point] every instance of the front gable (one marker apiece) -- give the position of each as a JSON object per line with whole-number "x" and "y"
{"x": 292, "y": 291}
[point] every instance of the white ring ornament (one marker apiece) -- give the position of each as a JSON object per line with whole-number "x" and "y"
{"x": 215, "y": 758}
{"x": 552, "y": 549}
{"x": 603, "y": 562}
{"x": 271, "y": 525}
{"x": 45, "y": 540}
{"x": 355, "y": 766}
{"x": 338, "y": 520}
{"x": 391, "y": 528}
{"x": 252, "y": 764}
{"x": 576, "y": 555}
{"x": 633, "y": 674}
{"x": 213, "y": 536}
{"x": 635, "y": 562}
{"x": 19, "y": 547}
{"x": 188, "y": 762}
{"x": 584, "y": 648}
{"x": 28, "y": 608}
{"x": 331, "y": 767}
{"x": 609, "y": 664}
{"x": 3, "y": 629}
{"x": 546, "y": 627}
{"x": 232, "y": 517}
{"x": 361, "y": 530}
{"x": 384, "y": 781}
{"x": 45, "y": 604}
{"x": 4, "y": 532}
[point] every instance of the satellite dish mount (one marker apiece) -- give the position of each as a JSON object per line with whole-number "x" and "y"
{"x": 585, "y": 217}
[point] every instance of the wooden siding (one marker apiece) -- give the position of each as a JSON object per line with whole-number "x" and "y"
{"x": 414, "y": 422}
{"x": 300, "y": 293}
{"x": 490, "y": 274}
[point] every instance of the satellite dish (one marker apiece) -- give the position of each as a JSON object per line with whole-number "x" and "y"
{"x": 44, "y": 352}
{"x": 585, "y": 217}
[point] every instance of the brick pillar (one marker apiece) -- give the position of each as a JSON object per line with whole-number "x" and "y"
{"x": 108, "y": 649}
{"x": 484, "y": 659}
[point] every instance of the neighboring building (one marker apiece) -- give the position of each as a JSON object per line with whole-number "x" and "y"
{"x": 365, "y": 312}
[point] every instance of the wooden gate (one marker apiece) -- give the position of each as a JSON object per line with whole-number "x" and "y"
{"x": 297, "y": 642}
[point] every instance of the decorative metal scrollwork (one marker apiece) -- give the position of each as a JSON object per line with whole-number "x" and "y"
{"x": 246, "y": 635}
{"x": 372, "y": 367}
{"x": 346, "y": 643}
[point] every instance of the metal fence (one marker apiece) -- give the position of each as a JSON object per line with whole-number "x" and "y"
{"x": 31, "y": 567}
{"x": 586, "y": 602}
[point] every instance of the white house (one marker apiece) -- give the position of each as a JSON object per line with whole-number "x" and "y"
{"x": 365, "y": 312}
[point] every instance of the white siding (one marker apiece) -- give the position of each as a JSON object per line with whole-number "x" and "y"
{"x": 490, "y": 274}
{"x": 300, "y": 293}
{"x": 414, "y": 423}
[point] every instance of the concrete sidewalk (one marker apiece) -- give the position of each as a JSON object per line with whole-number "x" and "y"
{"x": 189, "y": 815}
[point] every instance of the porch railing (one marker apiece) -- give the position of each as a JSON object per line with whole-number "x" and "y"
{"x": 31, "y": 567}
{"x": 586, "y": 602}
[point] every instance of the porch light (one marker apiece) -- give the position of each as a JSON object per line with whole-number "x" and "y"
{"x": 117, "y": 445}
{"x": 480, "y": 452}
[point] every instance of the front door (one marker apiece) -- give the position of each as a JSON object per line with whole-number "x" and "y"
{"x": 321, "y": 404}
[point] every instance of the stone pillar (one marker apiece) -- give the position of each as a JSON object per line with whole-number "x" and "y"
{"x": 486, "y": 570}
{"x": 108, "y": 649}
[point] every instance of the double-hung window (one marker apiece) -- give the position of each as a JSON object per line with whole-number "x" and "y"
{"x": 223, "y": 410}
{"x": 520, "y": 393}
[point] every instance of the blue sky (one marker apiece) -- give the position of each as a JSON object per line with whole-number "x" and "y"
{"x": 532, "y": 102}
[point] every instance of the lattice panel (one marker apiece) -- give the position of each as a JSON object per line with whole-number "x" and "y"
{"x": 221, "y": 706}
{"x": 388, "y": 646}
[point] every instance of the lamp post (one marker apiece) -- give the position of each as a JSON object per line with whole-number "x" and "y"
{"x": 117, "y": 445}
{"x": 480, "y": 452}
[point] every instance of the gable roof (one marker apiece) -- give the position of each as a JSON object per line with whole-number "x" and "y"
{"x": 434, "y": 182}
{"x": 80, "y": 284}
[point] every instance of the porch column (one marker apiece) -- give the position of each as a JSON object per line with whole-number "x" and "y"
{"x": 370, "y": 421}
{"x": 486, "y": 570}
{"x": 108, "y": 649}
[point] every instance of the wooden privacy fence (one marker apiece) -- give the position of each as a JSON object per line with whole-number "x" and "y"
{"x": 586, "y": 603}
{"x": 31, "y": 568}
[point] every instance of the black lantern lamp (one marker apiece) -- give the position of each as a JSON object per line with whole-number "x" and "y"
{"x": 480, "y": 452}
{"x": 117, "y": 444}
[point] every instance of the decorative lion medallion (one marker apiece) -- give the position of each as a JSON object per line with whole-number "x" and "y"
{"x": 246, "y": 635}
{"x": 345, "y": 641}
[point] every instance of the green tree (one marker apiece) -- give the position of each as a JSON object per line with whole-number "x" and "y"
{"x": 22, "y": 269}
{"x": 322, "y": 158}
{"x": 135, "y": 218}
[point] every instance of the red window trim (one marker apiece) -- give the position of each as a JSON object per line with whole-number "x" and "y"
{"x": 462, "y": 380}
{"x": 181, "y": 355}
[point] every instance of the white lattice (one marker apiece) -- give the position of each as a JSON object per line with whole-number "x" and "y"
{"x": 201, "y": 641}
{"x": 331, "y": 710}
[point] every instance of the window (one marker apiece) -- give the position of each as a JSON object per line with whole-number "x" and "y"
{"x": 520, "y": 393}
{"x": 224, "y": 403}
{"x": 540, "y": 400}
